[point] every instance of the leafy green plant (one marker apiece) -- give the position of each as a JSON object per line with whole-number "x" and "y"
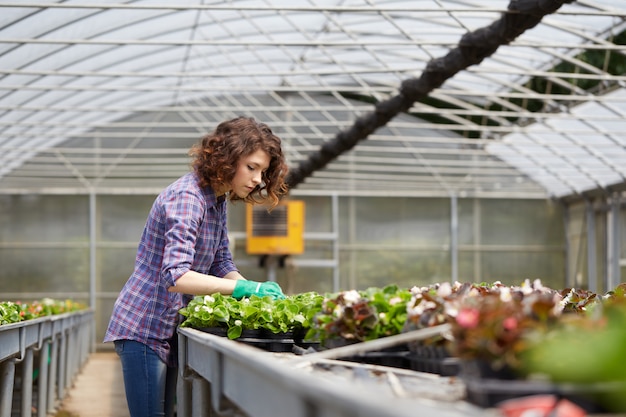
{"x": 588, "y": 350}
{"x": 276, "y": 316}
{"x": 14, "y": 312}
{"x": 10, "y": 313}
{"x": 390, "y": 303}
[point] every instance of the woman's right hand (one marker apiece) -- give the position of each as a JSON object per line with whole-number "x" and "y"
{"x": 245, "y": 288}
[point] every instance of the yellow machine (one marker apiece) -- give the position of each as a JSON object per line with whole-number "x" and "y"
{"x": 279, "y": 232}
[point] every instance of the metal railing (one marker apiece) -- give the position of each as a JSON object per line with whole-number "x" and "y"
{"x": 60, "y": 343}
{"x": 221, "y": 377}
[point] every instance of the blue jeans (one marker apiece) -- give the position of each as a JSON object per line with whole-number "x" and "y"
{"x": 149, "y": 383}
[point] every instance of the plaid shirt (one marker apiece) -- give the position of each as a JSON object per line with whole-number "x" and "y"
{"x": 186, "y": 230}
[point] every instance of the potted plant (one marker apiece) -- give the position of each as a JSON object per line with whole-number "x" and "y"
{"x": 428, "y": 307}
{"x": 512, "y": 343}
{"x": 586, "y": 351}
{"x": 358, "y": 316}
{"x": 267, "y": 323}
{"x": 491, "y": 325}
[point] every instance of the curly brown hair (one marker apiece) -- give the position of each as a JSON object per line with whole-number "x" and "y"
{"x": 215, "y": 158}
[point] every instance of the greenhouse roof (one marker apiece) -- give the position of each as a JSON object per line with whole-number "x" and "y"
{"x": 469, "y": 98}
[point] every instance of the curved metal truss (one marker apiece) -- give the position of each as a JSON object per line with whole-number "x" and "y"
{"x": 107, "y": 97}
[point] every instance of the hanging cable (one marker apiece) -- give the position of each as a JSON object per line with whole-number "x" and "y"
{"x": 471, "y": 50}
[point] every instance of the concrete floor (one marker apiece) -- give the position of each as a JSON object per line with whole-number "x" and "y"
{"x": 98, "y": 390}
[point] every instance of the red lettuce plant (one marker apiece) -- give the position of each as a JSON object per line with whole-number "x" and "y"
{"x": 357, "y": 316}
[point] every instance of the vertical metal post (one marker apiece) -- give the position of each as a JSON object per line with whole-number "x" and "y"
{"x": 201, "y": 398}
{"x": 52, "y": 375}
{"x": 183, "y": 386}
{"x": 335, "y": 214}
{"x": 617, "y": 247}
{"x": 62, "y": 365}
{"x": 183, "y": 396}
{"x": 352, "y": 278}
{"x": 570, "y": 281}
{"x": 83, "y": 343}
{"x": 454, "y": 239}
{"x": 7, "y": 378}
{"x": 477, "y": 225}
{"x": 270, "y": 267}
{"x": 92, "y": 258}
{"x": 592, "y": 277}
{"x": 217, "y": 379}
{"x": 70, "y": 356}
{"x": 42, "y": 392}
{"x": 88, "y": 329}
{"x": 27, "y": 383}
{"x": 613, "y": 244}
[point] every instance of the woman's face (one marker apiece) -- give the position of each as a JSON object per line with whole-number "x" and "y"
{"x": 249, "y": 171}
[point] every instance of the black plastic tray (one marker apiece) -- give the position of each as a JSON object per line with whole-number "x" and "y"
{"x": 264, "y": 339}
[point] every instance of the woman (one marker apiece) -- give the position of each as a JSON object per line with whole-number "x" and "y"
{"x": 183, "y": 251}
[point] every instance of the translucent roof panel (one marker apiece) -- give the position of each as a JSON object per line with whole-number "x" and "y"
{"x": 580, "y": 152}
{"x": 108, "y": 96}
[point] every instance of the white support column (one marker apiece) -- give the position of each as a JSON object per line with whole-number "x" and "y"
{"x": 592, "y": 276}
{"x": 613, "y": 243}
{"x": 454, "y": 239}
{"x": 92, "y": 259}
{"x": 335, "y": 213}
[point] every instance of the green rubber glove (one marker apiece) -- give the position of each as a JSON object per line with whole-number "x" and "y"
{"x": 244, "y": 288}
